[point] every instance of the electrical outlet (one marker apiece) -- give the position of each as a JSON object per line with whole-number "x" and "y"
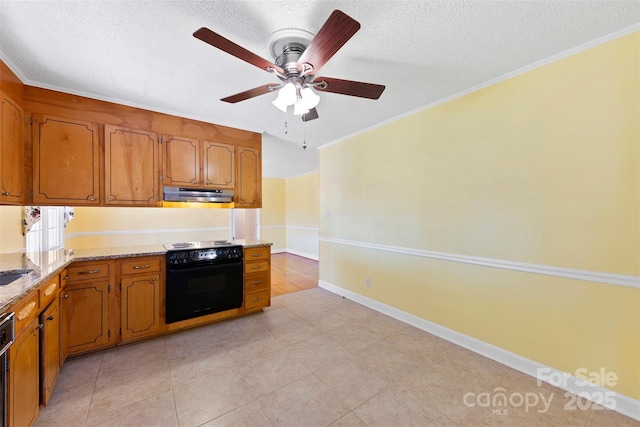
{"x": 367, "y": 282}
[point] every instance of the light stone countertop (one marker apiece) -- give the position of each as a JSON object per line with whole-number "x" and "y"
{"x": 42, "y": 266}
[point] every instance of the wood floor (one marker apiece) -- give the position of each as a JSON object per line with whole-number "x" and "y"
{"x": 292, "y": 273}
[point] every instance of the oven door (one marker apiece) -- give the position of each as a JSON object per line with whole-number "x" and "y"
{"x": 194, "y": 291}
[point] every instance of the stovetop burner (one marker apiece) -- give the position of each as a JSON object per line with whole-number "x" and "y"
{"x": 198, "y": 245}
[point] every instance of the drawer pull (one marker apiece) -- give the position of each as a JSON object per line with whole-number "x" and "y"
{"x": 50, "y": 317}
{"x": 256, "y": 282}
{"x": 25, "y": 312}
{"x": 255, "y": 255}
{"x": 50, "y": 289}
{"x": 256, "y": 267}
{"x": 139, "y": 267}
{"x": 89, "y": 272}
{"x": 257, "y": 299}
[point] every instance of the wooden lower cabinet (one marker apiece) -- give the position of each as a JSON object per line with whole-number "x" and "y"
{"x": 85, "y": 309}
{"x": 49, "y": 350}
{"x": 257, "y": 278}
{"x": 24, "y": 380}
{"x": 140, "y": 296}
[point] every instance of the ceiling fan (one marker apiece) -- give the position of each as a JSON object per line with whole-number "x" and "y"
{"x": 299, "y": 56}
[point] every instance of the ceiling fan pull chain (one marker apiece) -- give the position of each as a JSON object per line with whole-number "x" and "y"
{"x": 304, "y": 134}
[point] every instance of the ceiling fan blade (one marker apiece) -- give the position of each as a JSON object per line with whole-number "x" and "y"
{"x": 335, "y": 32}
{"x": 256, "y": 91}
{"x": 349, "y": 87}
{"x": 311, "y": 115}
{"x": 216, "y": 40}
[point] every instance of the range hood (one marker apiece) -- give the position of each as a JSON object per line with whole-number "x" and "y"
{"x": 202, "y": 195}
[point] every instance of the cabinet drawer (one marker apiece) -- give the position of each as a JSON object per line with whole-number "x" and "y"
{"x": 256, "y": 282}
{"x": 256, "y": 267}
{"x": 48, "y": 292}
{"x": 257, "y": 300}
{"x": 25, "y": 311}
{"x": 140, "y": 266}
{"x": 256, "y": 254}
{"x": 87, "y": 272}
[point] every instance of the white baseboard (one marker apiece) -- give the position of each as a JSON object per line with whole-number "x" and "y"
{"x": 294, "y": 252}
{"x": 620, "y": 403}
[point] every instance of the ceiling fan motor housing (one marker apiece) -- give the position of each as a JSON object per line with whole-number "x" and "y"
{"x": 288, "y": 59}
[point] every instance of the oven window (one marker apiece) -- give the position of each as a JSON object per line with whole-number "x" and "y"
{"x": 196, "y": 291}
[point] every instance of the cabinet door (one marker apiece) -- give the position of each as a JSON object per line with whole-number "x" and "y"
{"x": 140, "y": 304}
{"x": 24, "y": 402}
{"x": 181, "y": 161}
{"x": 49, "y": 350}
{"x": 131, "y": 167}
{"x": 219, "y": 165}
{"x": 12, "y": 189}
{"x": 66, "y": 165}
{"x": 84, "y": 317}
{"x": 249, "y": 188}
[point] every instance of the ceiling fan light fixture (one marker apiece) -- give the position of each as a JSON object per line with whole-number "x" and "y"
{"x": 309, "y": 98}
{"x": 288, "y": 93}
{"x": 299, "y": 108}
{"x": 280, "y": 104}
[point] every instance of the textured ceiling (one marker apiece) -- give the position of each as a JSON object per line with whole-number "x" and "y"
{"x": 142, "y": 53}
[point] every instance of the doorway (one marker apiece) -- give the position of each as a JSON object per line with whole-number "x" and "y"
{"x": 245, "y": 224}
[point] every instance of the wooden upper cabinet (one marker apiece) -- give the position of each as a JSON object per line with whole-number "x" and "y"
{"x": 249, "y": 188}
{"x": 12, "y": 188}
{"x": 66, "y": 162}
{"x": 219, "y": 165}
{"x": 132, "y": 159}
{"x": 181, "y": 161}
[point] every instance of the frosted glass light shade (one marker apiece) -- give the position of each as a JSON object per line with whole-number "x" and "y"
{"x": 288, "y": 93}
{"x": 309, "y": 98}
{"x": 280, "y": 104}
{"x": 299, "y": 108}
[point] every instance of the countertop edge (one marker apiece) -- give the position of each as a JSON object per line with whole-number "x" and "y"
{"x": 50, "y": 263}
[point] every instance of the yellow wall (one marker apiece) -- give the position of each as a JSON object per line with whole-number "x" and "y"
{"x": 272, "y": 215}
{"x": 302, "y": 214}
{"x": 11, "y": 238}
{"x": 542, "y": 168}
{"x": 107, "y": 226}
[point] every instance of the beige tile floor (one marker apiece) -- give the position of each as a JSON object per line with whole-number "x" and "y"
{"x": 312, "y": 359}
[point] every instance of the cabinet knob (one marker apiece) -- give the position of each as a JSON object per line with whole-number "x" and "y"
{"x": 194, "y": 182}
{"x": 6, "y": 193}
{"x": 65, "y": 296}
{"x": 93, "y": 199}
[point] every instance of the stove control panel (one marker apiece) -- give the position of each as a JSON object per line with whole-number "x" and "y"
{"x": 210, "y": 255}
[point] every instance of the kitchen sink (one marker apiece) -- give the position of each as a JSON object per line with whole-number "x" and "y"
{"x": 5, "y": 279}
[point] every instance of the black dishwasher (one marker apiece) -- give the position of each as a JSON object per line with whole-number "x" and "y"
{"x": 6, "y": 339}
